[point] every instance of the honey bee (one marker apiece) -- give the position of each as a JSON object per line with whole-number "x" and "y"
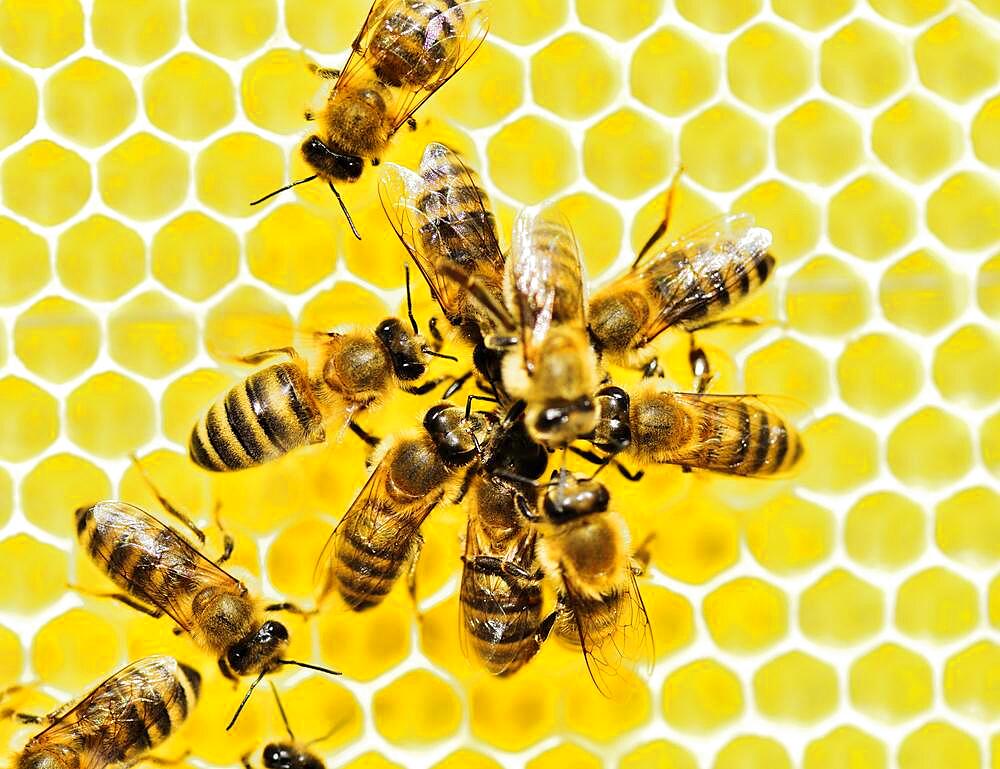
{"x": 160, "y": 573}
{"x": 733, "y": 434}
{"x": 405, "y": 51}
{"x": 379, "y": 535}
{"x": 584, "y": 550}
{"x": 501, "y": 592}
{"x": 685, "y": 285}
{"x": 287, "y": 405}
{"x": 119, "y": 722}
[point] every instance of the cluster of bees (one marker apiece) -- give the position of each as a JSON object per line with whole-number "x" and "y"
{"x": 540, "y": 349}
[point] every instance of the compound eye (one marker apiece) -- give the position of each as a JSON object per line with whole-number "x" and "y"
{"x": 550, "y": 419}
{"x": 235, "y": 658}
{"x": 410, "y": 371}
{"x": 274, "y": 631}
{"x": 584, "y": 404}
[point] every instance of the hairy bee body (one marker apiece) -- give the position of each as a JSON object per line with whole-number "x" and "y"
{"x": 120, "y": 721}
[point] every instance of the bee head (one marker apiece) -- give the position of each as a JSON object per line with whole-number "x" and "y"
{"x": 455, "y": 436}
{"x": 409, "y": 361}
{"x": 285, "y": 755}
{"x": 613, "y": 433}
{"x": 257, "y": 652}
{"x": 561, "y": 421}
{"x": 330, "y": 164}
{"x": 570, "y": 498}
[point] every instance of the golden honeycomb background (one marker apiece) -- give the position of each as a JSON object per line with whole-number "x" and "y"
{"x": 844, "y": 619}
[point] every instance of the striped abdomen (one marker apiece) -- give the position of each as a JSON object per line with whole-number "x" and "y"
{"x": 268, "y": 414}
{"x": 121, "y": 720}
{"x": 367, "y": 565}
{"x": 414, "y": 41}
{"x": 553, "y": 239}
{"x": 598, "y": 616}
{"x": 502, "y": 615}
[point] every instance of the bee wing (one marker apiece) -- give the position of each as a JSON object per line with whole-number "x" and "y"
{"x": 747, "y": 435}
{"x": 181, "y": 571}
{"x": 689, "y": 275}
{"x": 544, "y": 275}
{"x": 105, "y": 710}
{"x": 631, "y": 639}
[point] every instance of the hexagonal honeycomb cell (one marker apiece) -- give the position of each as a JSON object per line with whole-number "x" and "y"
{"x": 236, "y": 169}
{"x": 626, "y": 154}
{"x": 274, "y": 89}
{"x": 45, "y": 182}
{"x": 41, "y": 34}
{"x": 793, "y": 219}
{"x": 144, "y": 177}
{"x": 89, "y": 102}
{"x": 195, "y": 256}
{"x": 289, "y": 249}
{"x": 672, "y": 73}
{"x": 659, "y": 754}
{"x": 791, "y": 368}
{"x": 701, "y": 697}
{"x": 752, "y": 752}
{"x": 110, "y": 415}
{"x": 967, "y": 676}
{"x": 28, "y": 590}
{"x": 840, "y": 609}
{"x": 885, "y": 530}
{"x": 526, "y": 23}
{"x": 229, "y": 28}
{"x": 768, "y": 67}
{"x": 75, "y": 649}
{"x": 58, "y": 485}
{"x": 937, "y": 604}
{"x": 789, "y": 534}
{"x": 417, "y": 708}
{"x": 813, "y": 15}
{"x": 921, "y": 293}
{"x": 20, "y": 98}
{"x": 746, "y": 615}
{"x": 842, "y": 747}
{"x": 516, "y": 712}
{"x": 531, "y": 159}
{"x": 862, "y": 63}
{"x": 622, "y": 20}
{"x": 573, "y": 77}
{"x": 718, "y": 15}
{"x": 930, "y": 448}
{"x": 31, "y": 419}
{"x": 871, "y": 218}
{"x": 964, "y": 212}
{"x": 985, "y": 130}
{"x": 369, "y": 645}
{"x": 938, "y": 743}
{"x": 152, "y": 335}
{"x": 879, "y": 373}
{"x": 964, "y": 364}
{"x": 100, "y": 258}
{"x": 818, "y": 142}
{"x": 189, "y": 97}
{"x": 956, "y": 58}
{"x": 988, "y": 287}
{"x": 916, "y": 139}
{"x": 908, "y": 11}
{"x": 826, "y": 297}
{"x": 723, "y": 147}
{"x": 57, "y": 339}
{"x": 136, "y": 33}
{"x": 891, "y": 683}
{"x": 245, "y": 321}
{"x": 796, "y": 687}
{"x": 491, "y": 87}
{"x": 598, "y": 229}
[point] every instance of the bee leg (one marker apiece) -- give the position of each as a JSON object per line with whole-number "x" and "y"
{"x": 411, "y": 571}
{"x": 545, "y": 627}
{"x": 160, "y": 761}
{"x": 122, "y": 598}
{"x": 466, "y": 484}
{"x": 627, "y": 474}
{"x": 228, "y": 543}
{"x": 457, "y": 384}
{"x": 165, "y": 503}
{"x": 661, "y": 229}
{"x": 309, "y": 115}
{"x": 363, "y": 434}
{"x": 291, "y": 608}
{"x": 412, "y": 123}
{"x": 259, "y": 357}
{"x": 432, "y": 326}
{"x": 178, "y": 631}
{"x": 424, "y": 388}
{"x": 700, "y": 367}
{"x": 651, "y": 369}
{"x": 245, "y": 761}
{"x": 642, "y": 555}
{"x": 324, "y": 72}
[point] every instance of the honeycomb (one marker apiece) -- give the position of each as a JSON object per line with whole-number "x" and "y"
{"x": 845, "y": 619}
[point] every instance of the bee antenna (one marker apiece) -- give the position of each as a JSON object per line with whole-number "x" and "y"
{"x": 286, "y": 187}
{"x": 343, "y": 208}
{"x": 320, "y": 668}
{"x": 607, "y": 461}
{"x": 433, "y": 354}
{"x": 341, "y": 723}
{"x": 409, "y": 300}
{"x": 245, "y": 698}
{"x": 281, "y": 710}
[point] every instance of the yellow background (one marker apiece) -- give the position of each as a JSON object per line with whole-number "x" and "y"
{"x": 846, "y": 619}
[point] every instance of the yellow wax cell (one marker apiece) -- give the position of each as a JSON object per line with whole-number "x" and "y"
{"x": 891, "y": 683}
{"x": 627, "y": 154}
{"x": 237, "y": 169}
{"x": 625, "y": 706}
{"x": 746, "y": 615}
{"x": 325, "y": 25}
{"x": 957, "y": 58}
{"x": 937, "y": 744}
{"x": 346, "y": 303}
{"x": 57, "y": 486}
{"x": 670, "y": 616}
{"x": 989, "y": 7}
{"x": 231, "y": 28}
{"x": 274, "y": 89}
{"x": 264, "y": 498}
{"x": 371, "y": 760}
{"x": 818, "y": 142}
{"x": 840, "y": 609}
{"x": 788, "y": 534}
{"x": 863, "y": 63}
{"x": 418, "y": 708}
{"x": 792, "y": 370}
{"x": 528, "y": 22}
{"x": 921, "y": 293}
{"x": 144, "y": 177}
{"x": 30, "y": 590}
{"x": 930, "y": 448}
{"x": 45, "y": 182}
{"x": 89, "y": 102}
{"x": 719, "y": 15}
{"x": 290, "y": 249}
{"x": 884, "y": 530}
{"x": 566, "y": 754}
{"x": 620, "y": 21}
{"x": 985, "y": 133}
{"x": 57, "y": 339}
{"x": 965, "y": 365}
{"x": 20, "y": 99}
{"x": 813, "y": 14}
{"x": 490, "y": 87}
{"x": 292, "y": 557}
{"x": 964, "y": 212}
{"x": 752, "y": 752}
{"x": 598, "y": 228}
{"x": 381, "y": 261}
{"x": 136, "y": 33}
{"x": 216, "y": 705}
{"x": 75, "y": 649}
{"x": 659, "y": 754}
{"x": 439, "y": 639}
{"x": 672, "y": 73}
{"x": 40, "y": 34}
{"x": 723, "y": 147}
{"x": 843, "y": 748}
{"x": 908, "y": 11}
{"x": 797, "y": 688}
{"x": 916, "y": 139}
{"x": 195, "y": 256}
{"x": 768, "y": 67}
{"x": 701, "y": 697}
{"x": 826, "y": 297}
{"x": 988, "y": 287}
{"x": 366, "y": 645}
{"x": 110, "y": 415}
{"x": 31, "y": 419}
{"x": 937, "y": 604}
{"x": 879, "y": 373}
{"x": 703, "y": 542}
{"x": 245, "y": 321}
{"x": 792, "y": 218}
{"x": 531, "y": 159}
{"x": 12, "y": 657}
{"x": 189, "y": 97}
{"x": 100, "y": 258}
{"x": 152, "y": 335}
{"x": 968, "y": 681}
{"x": 989, "y": 441}
{"x": 515, "y": 712}
{"x": 573, "y": 77}
{"x": 317, "y": 705}
{"x": 187, "y": 398}
{"x": 871, "y": 218}
{"x": 6, "y": 499}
